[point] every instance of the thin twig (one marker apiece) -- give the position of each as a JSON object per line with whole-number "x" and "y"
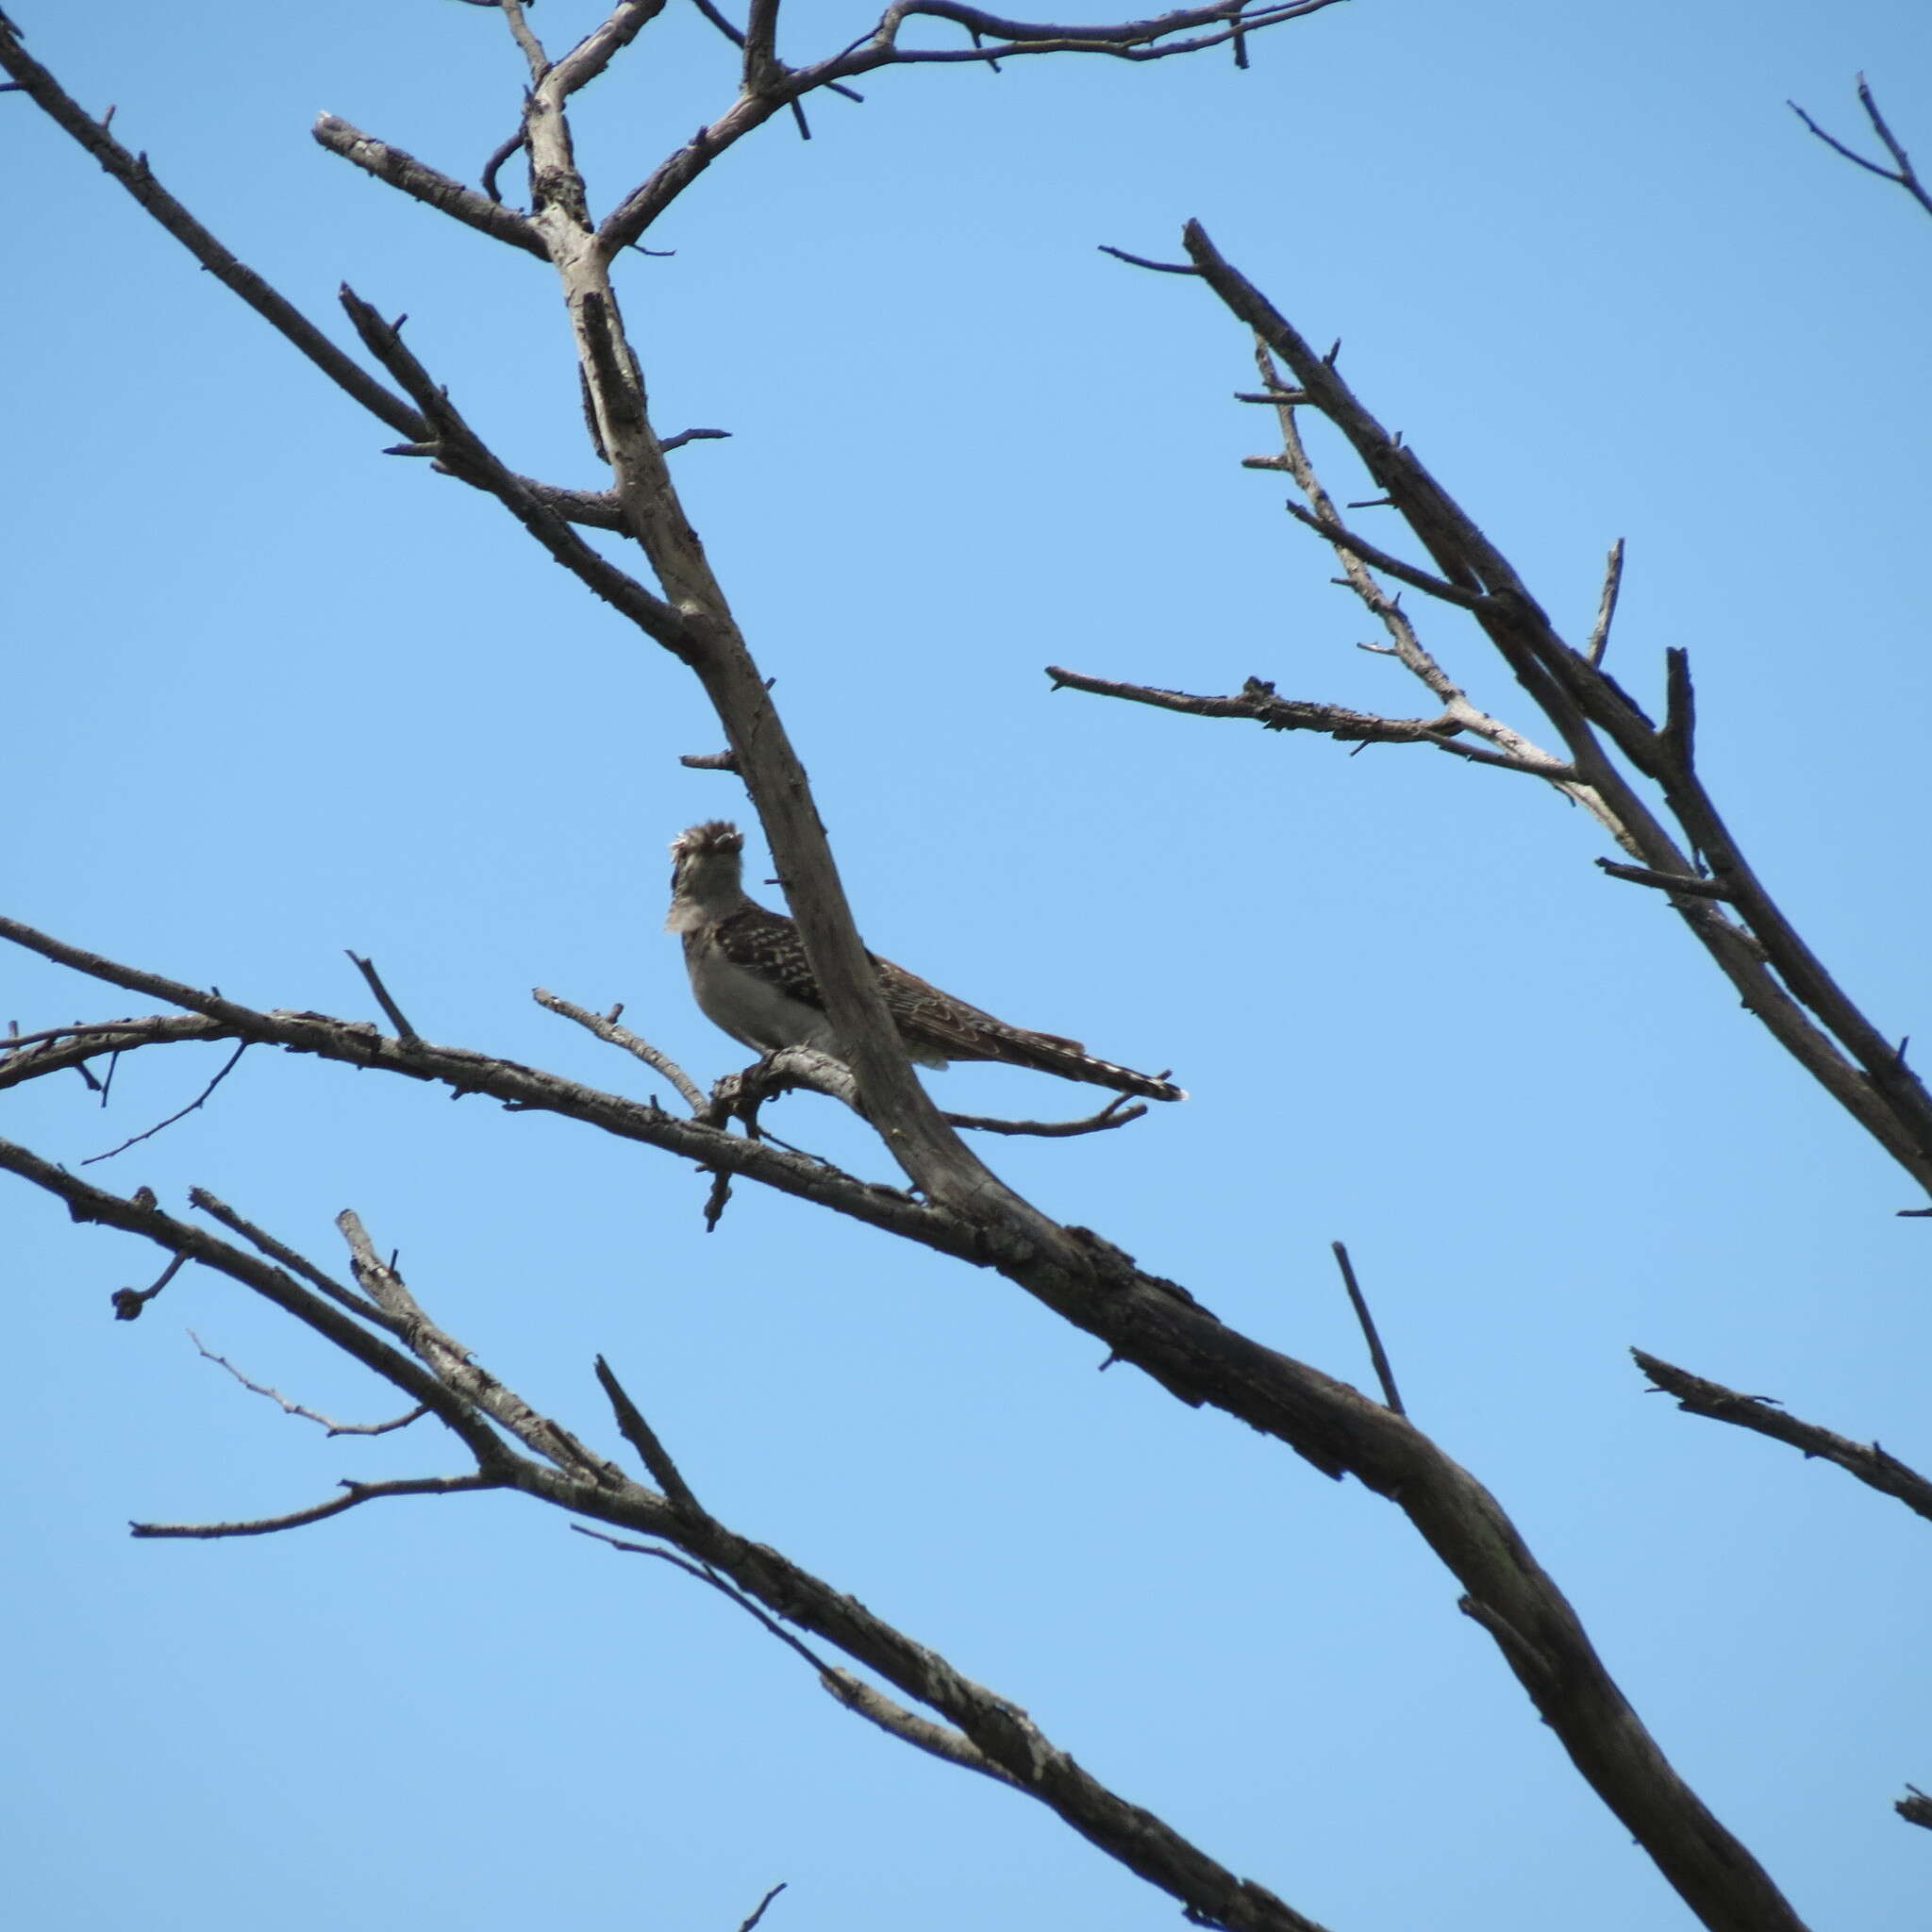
{"x": 288, "y": 1407}
{"x": 353, "y": 1495}
{"x": 1118, "y": 1112}
{"x": 1906, "y": 176}
{"x": 605, "y": 1027}
{"x": 135, "y": 1139}
{"x": 1344, "y": 539}
{"x": 706, "y": 1575}
{"x": 1164, "y": 268}
{"x": 1384, "y": 1373}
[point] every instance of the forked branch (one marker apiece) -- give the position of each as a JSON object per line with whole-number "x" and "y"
{"x": 1140, "y": 1318}
{"x": 1901, "y": 173}
{"x": 1638, "y": 779}
{"x": 555, "y": 1468}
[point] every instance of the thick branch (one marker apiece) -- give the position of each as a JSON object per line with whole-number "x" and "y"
{"x": 1149, "y": 1322}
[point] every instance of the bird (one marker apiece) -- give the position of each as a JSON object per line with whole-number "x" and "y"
{"x": 750, "y": 977}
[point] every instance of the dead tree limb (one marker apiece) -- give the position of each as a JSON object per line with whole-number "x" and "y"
{"x": 1871, "y": 1464}
{"x": 1638, "y": 778}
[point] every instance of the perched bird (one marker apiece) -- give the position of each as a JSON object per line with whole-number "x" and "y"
{"x": 750, "y": 975}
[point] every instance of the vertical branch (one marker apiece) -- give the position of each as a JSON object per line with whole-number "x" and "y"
{"x": 760, "y": 46}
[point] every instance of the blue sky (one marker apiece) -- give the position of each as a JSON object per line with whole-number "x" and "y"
{"x": 272, "y": 695}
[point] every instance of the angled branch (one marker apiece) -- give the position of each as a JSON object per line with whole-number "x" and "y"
{"x": 1141, "y": 1317}
{"x": 133, "y": 173}
{"x": 1777, "y": 975}
{"x": 1384, "y": 1373}
{"x": 353, "y": 1495}
{"x": 138, "y": 1215}
{"x": 465, "y": 452}
{"x": 771, "y": 88}
{"x": 1902, "y": 172}
{"x": 422, "y": 183}
{"x": 327, "y": 1424}
{"x": 1871, "y": 1464}
{"x": 605, "y": 1027}
{"x": 1599, "y": 639}
{"x": 227, "y": 1067}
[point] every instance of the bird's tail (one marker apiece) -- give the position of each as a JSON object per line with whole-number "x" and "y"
{"x": 1047, "y": 1053}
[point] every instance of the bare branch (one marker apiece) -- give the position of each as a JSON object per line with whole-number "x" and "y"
{"x": 766, "y": 1586}
{"x": 353, "y": 1493}
{"x": 1598, "y": 640}
{"x": 936, "y": 1740}
{"x": 1866, "y": 1461}
{"x": 605, "y": 1027}
{"x": 456, "y": 1369}
{"x": 995, "y": 38}
{"x": 1384, "y": 1373}
{"x": 1258, "y": 699}
{"x": 761, "y": 44}
{"x": 1690, "y": 883}
{"x": 1162, "y": 268}
{"x": 328, "y": 1423}
{"x": 405, "y": 1032}
{"x": 133, "y": 173}
{"x": 280, "y": 1252}
{"x": 138, "y": 1214}
{"x": 1903, "y": 173}
{"x": 1775, "y": 973}
{"x": 760, "y": 1911}
{"x": 1119, "y": 1112}
{"x": 129, "y": 1302}
{"x": 643, "y": 1438}
{"x": 181, "y": 1113}
{"x": 465, "y": 452}
{"x": 1346, "y": 538}
{"x": 483, "y": 212}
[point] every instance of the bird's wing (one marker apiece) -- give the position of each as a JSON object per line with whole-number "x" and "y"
{"x": 768, "y": 943}
{"x": 924, "y": 1012}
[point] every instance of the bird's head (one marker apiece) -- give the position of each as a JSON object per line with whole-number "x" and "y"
{"x": 706, "y": 864}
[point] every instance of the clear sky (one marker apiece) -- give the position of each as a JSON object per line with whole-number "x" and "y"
{"x": 272, "y": 694}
